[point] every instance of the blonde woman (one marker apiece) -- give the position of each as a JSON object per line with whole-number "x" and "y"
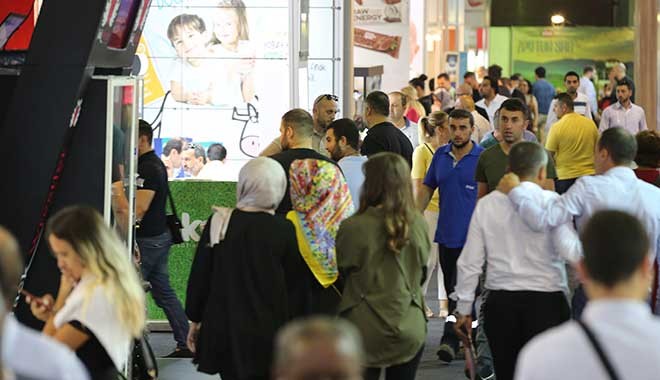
{"x": 100, "y": 303}
{"x": 435, "y": 132}
{"x": 414, "y": 109}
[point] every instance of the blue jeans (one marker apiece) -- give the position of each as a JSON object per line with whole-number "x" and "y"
{"x": 154, "y": 251}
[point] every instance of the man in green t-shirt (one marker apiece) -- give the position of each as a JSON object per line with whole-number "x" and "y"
{"x": 493, "y": 162}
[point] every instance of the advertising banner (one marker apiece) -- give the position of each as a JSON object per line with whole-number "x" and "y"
{"x": 381, "y": 37}
{"x": 193, "y": 200}
{"x": 224, "y": 64}
{"x": 570, "y": 48}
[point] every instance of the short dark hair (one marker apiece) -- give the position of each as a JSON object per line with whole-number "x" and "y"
{"x": 571, "y": 74}
{"x": 495, "y": 71}
{"x": 379, "y": 102}
{"x": 443, "y": 75}
{"x": 648, "y": 148}
{"x": 468, "y": 75}
{"x": 615, "y": 244}
{"x": 144, "y": 129}
{"x": 625, "y": 82}
{"x": 346, "y": 128}
{"x": 516, "y": 76}
{"x": 419, "y": 81}
{"x": 588, "y": 69}
{"x": 199, "y": 151}
{"x": 462, "y": 114}
{"x": 515, "y": 104}
{"x": 526, "y": 158}
{"x": 620, "y": 144}
{"x": 565, "y": 99}
{"x": 185, "y": 20}
{"x": 493, "y": 82}
{"x": 216, "y": 152}
{"x": 540, "y": 72}
{"x": 300, "y": 120}
{"x": 173, "y": 144}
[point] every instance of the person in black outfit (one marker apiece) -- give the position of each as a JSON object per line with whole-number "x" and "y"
{"x": 244, "y": 283}
{"x": 153, "y": 236}
{"x": 383, "y": 136}
{"x": 296, "y": 130}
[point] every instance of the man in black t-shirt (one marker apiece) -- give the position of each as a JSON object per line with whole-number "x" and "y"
{"x": 296, "y": 130}
{"x": 153, "y": 236}
{"x": 383, "y": 136}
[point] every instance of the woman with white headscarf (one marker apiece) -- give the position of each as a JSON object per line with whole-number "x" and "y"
{"x": 243, "y": 285}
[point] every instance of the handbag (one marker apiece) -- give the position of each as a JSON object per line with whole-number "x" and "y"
{"x": 173, "y": 221}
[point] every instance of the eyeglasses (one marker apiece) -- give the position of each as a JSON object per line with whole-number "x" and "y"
{"x": 326, "y": 97}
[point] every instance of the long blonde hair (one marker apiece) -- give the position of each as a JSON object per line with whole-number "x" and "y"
{"x": 104, "y": 256}
{"x": 413, "y": 103}
{"x": 387, "y": 185}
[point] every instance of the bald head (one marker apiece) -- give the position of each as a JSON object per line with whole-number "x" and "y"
{"x": 11, "y": 266}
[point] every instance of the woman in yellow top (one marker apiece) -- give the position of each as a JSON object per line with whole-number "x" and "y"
{"x": 436, "y": 134}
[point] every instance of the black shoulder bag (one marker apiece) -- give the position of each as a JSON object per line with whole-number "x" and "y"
{"x": 599, "y": 350}
{"x": 173, "y": 221}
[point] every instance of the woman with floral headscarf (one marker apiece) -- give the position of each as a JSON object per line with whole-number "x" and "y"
{"x": 244, "y": 281}
{"x": 321, "y": 201}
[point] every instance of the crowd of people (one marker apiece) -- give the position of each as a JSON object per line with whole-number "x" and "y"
{"x": 529, "y": 213}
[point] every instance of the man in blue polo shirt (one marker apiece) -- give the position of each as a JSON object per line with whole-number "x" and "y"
{"x": 452, "y": 173}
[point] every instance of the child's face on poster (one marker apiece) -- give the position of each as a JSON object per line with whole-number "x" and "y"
{"x": 189, "y": 42}
{"x": 225, "y": 26}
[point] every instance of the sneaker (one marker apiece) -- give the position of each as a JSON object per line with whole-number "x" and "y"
{"x": 485, "y": 373}
{"x": 180, "y": 352}
{"x": 446, "y": 353}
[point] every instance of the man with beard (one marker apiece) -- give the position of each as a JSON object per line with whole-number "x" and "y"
{"x": 324, "y": 110}
{"x": 452, "y": 173}
{"x": 624, "y": 113}
{"x": 493, "y": 162}
{"x": 580, "y": 101}
{"x": 342, "y": 140}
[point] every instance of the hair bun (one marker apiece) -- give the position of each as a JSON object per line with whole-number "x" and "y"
{"x": 423, "y": 77}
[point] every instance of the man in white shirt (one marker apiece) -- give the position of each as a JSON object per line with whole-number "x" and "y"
{"x": 580, "y": 101}
{"x": 491, "y": 101}
{"x": 617, "y": 275}
{"x": 526, "y": 277}
{"x": 398, "y": 103}
{"x": 215, "y": 169}
{"x": 342, "y": 140}
{"x": 587, "y": 88}
{"x": 624, "y": 113}
{"x": 614, "y": 186}
{"x": 26, "y": 352}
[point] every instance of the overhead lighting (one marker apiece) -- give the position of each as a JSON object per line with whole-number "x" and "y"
{"x": 557, "y": 19}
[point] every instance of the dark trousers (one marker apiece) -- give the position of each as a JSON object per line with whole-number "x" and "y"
{"x": 562, "y": 185}
{"x": 405, "y": 371}
{"x": 154, "y": 252}
{"x": 515, "y": 317}
{"x": 579, "y": 302}
{"x": 448, "y": 259}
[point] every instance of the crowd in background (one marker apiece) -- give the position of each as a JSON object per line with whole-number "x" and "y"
{"x": 531, "y": 206}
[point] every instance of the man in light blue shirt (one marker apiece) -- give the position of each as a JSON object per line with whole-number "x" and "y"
{"x": 341, "y": 140}
{"x": 587, "y": 88}
{"x": 544, "y": 93}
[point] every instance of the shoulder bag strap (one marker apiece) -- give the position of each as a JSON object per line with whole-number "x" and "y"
{"x": 599, "y": 350}
{"x": 429, "y": 148}
{"x": 169, "y": 195}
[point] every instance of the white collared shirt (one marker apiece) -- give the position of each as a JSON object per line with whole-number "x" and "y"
{"x": 580, "y": 106}
{"x": 627, "y": 331}
{"x": 617, "y": 189}
{"x": 32, "y": 355}
{"x": 492, "y": 107}
{"x": 411, "y": 130}
{"x": 587, "y": 87}
{"x": 633, "y": 119}
{"x": 517, "y": 258}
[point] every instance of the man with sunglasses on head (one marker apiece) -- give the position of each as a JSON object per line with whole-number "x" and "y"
{"x": 324, "y": 111}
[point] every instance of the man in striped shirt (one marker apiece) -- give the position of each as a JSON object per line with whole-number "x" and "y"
{"x": 580, "y": 101}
